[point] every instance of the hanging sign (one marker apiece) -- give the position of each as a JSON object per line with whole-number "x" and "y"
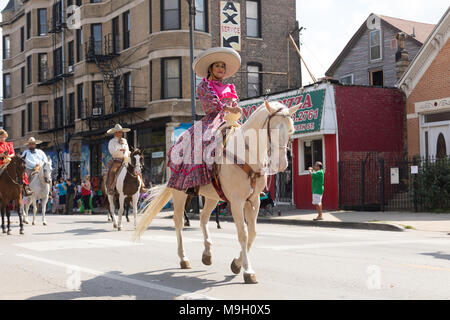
{"x": 230, "y": 25}
{"x": 307, "y": 119}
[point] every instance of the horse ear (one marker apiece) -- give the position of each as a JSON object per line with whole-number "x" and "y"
{"x": 266, "y": 103}
{"x": 294, "y": 109}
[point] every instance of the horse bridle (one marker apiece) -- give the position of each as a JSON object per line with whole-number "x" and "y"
{"x": 9, "y": 176}
{"x": 130, "y": 164}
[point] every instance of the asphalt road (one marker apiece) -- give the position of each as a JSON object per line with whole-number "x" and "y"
{"x": 82, "y": 257}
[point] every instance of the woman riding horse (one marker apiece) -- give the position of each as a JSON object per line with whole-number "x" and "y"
{"x": 6, "y": 154}
{"x": 186, "y": 159}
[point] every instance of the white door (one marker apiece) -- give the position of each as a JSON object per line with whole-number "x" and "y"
{"x": 439, "y": 141}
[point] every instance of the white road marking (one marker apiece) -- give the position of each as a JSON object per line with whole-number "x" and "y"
{"x": 352, "y": 244}
{"x": 179, "y": 294}
{"x": 75, "y": 244}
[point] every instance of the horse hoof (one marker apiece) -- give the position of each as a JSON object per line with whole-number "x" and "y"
{"x": 235, "y": 268}
{"x": 119, "y": 229}
{"x": 128, "y": 220}
{"x": 44, "y": 223}
{"x": 4, "y": 231}
{"x": 33, "y": 223}
{"x": 22, "y": 232}
{"x": 9, "y": 233}
{"x": 109, "y": 219}
{"x": 250, "y": 278}
{"x": 207, "y": 260}
{"x": 26, "y": 221}
{"x": 115, "y": 226}
{"x": 185, "y": 265}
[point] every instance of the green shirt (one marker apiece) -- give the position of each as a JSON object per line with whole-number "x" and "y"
{"x": 317, "y": 182}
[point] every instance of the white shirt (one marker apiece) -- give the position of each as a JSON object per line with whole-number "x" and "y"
{"x": 114, "y": 149}
{"x": 33, "y": 159}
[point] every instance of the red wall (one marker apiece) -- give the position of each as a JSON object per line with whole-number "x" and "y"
{"x": 369, "y": 120}
{"x": 302, "y": 184}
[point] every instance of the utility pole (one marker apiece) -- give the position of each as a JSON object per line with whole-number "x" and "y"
{"x": 191, "y": 38}
{"x": 63, "y": 61}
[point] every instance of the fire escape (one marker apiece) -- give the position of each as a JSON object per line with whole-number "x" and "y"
{"x": 124, "y": 99}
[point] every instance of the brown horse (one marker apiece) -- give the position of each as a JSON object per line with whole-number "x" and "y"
{"x": 11, "y": 187}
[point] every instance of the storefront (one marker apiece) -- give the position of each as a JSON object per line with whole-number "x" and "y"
{"x": 334, "y": 123}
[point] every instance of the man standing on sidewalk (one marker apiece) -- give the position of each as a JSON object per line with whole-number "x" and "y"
{"x": 70, "y": 196}
{"x": 317, "y": 188}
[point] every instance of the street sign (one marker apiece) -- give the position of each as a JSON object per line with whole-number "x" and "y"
{"x": 230, "y": 25}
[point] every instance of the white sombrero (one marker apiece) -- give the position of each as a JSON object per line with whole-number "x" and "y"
{"x": 229, "y": 56}
{"x": 117, "y": 128}
{"x": 33, "y": 140}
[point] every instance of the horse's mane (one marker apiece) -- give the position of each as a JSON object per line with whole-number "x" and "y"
{"x": 275, "y": 105}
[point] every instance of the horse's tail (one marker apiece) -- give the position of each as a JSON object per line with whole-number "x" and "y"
{"x": 157, "y": 198}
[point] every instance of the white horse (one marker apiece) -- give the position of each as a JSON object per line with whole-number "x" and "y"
{"x": 240, "y": 185}
{"x": 128, "y": 184}
{"x": 40, "y": 184}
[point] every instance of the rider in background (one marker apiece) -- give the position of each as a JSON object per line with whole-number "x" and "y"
{"x": 35, "y": 158}
{"x": 6, "y": 153}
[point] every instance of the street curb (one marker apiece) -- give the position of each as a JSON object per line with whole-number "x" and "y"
{"x": 323, "y": 224}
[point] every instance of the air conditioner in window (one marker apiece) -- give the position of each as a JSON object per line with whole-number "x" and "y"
{"x": 97, "y": 111}
{"x": 70, "y": 69}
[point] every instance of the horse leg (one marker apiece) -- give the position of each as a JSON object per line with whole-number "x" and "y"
{"x": 8, "y": 216}
{"x": 208, "y": 207}
{"x": 34, "y": 201}
{"x": 237, "y": 210}
{"x": 20, "y": 213}
{"x": 135, "y": 200}
{"x": 121, "y": 208}
{"x": 179, "y": 200}
{"x": 251, "y": 216}
{"x": 25, "y": 211}
{"x": 3, "y": 217}
{"x": 127, "y": 209}
{"x": 44, "y": 206}
{"x": 217, "y": 217}
{"x": 112, "y": 209}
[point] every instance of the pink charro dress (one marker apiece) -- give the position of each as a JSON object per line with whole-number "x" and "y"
{"x": 190, "y": 158}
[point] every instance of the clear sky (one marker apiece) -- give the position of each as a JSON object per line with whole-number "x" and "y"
{"x": 330, "y": 24}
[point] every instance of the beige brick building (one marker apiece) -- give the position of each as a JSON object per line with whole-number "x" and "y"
{"x": 126, "y": 62}
{"x": 426, "y": 84}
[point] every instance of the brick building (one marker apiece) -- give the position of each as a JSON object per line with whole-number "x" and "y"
{"x": 128, "y": 62}
{"x": 426, "y": 84}
{"x": 336, "y": 124}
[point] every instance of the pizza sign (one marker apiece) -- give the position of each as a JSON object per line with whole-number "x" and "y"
{"x": 230, "y": 25}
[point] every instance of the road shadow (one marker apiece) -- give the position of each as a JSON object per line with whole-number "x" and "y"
{"x": 78, "y": 232}
{"x": 134, "y": 286}
{"x": 438, "y": 255}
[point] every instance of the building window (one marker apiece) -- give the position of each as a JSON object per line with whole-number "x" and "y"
{"x": 437, "y": 117}
{"x": 56, "y": 15}
{"x": 79, "y": 36}
{"x": 22, "y": 79}
{"x": 201, "y": 15}
{"x": 96, "y": 38}
{"x": 96, "y": 1}
{"x": 348, "y": 79}
{"x": 253, "y": 11}
{"x": 312, "y": 152}
{"x": 80, "y": 98}
{"x": 29, "y": 69}
{"x": 97, "y": 98}
{"x": 375, "y": 45}
{"x": 22, "y": 39}
{"x": 43, "y": 67}
{"x": 71, "y": 115}
{"x": 29, "y": 25}
{"x": 7, "y": 124}
{"x": 42, "y": 22}
{"x": 71, "y": 53}
{"x": 6, "y": 47}
{"x": 127, "y": 90}
{"x": 376, "y": 78}
{"x": 7, "y": 85}
{"x": 23, "y": 123}
{"x": 115, "y": 35}
{"x": 126, "y": 30}
{"x": 171, "y": 78}
{"x": 254, "y": 81}
{"x": 30, "y": 116}
{"x": 43, "y": 115}
{"x": 58, "y": 113}
{"x": 170, "y": 14}
{"x": 57, "y": 62}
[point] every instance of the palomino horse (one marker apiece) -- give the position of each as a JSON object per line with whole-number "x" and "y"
{"x": 11, "y": 189}
{"x": 241, "y": 187}
{"x": 40, "y": 185}
{"x": 128, "y": 184}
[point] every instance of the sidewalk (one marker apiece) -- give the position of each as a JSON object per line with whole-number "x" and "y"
{"x": 385, "y": 221}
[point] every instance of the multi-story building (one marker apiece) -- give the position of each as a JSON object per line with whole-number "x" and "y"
{"x": 68, "y": 76}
